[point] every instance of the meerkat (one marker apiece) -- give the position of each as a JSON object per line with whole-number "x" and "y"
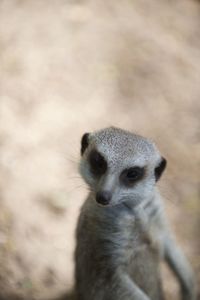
{"x": 122, "y": 232}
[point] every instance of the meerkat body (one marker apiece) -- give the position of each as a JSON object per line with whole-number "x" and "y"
{"x": 121, "y": 244}
{"x": 122, "y": 233}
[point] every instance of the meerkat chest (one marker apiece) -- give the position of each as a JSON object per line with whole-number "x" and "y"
{"x": 138, "y": 235}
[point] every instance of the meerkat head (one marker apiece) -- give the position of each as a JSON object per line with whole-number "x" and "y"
{"x": 120, "y": 166}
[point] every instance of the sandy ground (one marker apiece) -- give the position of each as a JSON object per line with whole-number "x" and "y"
{"x": 69, "y": 67}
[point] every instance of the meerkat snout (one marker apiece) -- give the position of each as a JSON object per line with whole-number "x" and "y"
{"x": 103, "y": 197}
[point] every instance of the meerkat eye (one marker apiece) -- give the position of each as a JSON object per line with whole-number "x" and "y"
{"x": 130, "y": 176}
{"x": 98, "y": 163}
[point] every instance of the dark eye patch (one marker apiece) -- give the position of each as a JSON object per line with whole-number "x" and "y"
{"x": 98, "y": 164}
{"x": 129, "y": 176}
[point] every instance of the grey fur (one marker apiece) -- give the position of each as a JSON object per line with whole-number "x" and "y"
{"x": 120, "y": 246}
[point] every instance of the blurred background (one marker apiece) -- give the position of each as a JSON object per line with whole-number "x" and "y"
{"x": 70, "y": 67}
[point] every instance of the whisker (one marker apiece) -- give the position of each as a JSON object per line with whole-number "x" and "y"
{"x": 169, "y": 195}
{"x": 76, "y": 188}
{"x": 74, "y": 177}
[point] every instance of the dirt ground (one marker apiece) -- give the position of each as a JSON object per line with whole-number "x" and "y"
{"x": 69, "y": 67}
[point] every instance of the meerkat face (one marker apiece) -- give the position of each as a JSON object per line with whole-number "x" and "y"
{"x": 120, "y": 166}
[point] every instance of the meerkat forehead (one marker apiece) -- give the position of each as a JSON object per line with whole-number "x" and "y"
{"x": 118, "y": 145}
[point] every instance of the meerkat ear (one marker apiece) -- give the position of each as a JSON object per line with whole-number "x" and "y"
{"x": 84, "y": 142}
{"x": 160, "y": 168}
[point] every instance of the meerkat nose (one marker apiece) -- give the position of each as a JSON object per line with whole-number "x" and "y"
{"x": 103, "y": 197}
